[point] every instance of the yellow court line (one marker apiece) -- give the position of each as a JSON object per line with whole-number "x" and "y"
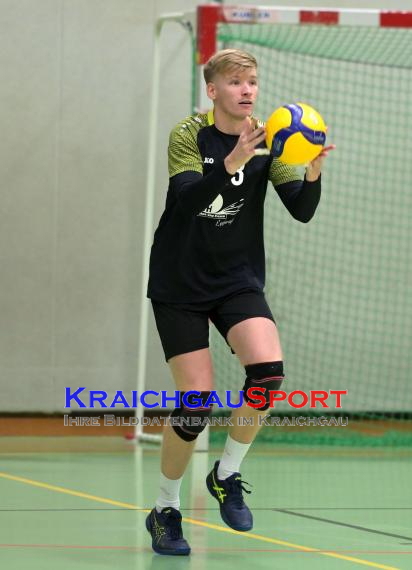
{"x": 291, "y": 545}
{"x": 195, "y": 522}
{"x": 70, "y": 492}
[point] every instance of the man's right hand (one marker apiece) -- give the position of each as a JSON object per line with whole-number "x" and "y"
{"x": 244, "y": 150}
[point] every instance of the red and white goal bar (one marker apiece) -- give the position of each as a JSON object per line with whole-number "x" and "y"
{"x": 210, "y": 15}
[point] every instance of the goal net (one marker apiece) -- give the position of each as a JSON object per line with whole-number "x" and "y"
{"x": 340, "y": 286}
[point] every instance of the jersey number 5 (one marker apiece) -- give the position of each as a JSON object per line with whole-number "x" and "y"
{"x": 239, "y": 172}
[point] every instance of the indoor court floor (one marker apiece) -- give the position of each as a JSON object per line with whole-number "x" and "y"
{"x": 323, "y": 508}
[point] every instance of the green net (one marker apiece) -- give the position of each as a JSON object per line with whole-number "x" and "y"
{"x": 340, "y": 286}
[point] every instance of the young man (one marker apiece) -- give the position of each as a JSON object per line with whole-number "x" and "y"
{"x": 207, "y": 263}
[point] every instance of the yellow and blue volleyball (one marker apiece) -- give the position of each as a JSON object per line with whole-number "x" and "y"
{"x": 295, "y": 133}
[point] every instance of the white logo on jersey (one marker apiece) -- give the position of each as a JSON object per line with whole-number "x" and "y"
{"x": 216, "y": 211}
{"x": 209, "y": 160}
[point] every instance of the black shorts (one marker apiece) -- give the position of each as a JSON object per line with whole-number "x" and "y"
{"x": 185, "y": 327}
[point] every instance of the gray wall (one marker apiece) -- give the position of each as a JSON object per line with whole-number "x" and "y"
{"x": 74, "y": 94}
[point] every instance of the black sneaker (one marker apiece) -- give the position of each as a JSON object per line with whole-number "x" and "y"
{"x": 166, "y": 530}
{"x": 228, "y": 492}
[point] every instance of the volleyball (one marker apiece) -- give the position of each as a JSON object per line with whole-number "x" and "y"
{"x": 295, "y": 133}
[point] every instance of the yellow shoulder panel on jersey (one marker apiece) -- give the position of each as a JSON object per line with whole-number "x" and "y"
{"x": 183, "y": 152}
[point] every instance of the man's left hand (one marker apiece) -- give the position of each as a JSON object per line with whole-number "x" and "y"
{"x": 313, "y": 168}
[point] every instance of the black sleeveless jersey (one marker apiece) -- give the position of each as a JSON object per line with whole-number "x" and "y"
{"x": 209, "y": 241}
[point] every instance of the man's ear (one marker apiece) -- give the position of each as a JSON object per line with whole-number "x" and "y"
{"x": 211, "y": 90}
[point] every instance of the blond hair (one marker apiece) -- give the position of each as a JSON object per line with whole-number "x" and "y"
{"x": 228, "y": 60}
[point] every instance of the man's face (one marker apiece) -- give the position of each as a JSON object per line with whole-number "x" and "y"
{"x": 234, "y": 92}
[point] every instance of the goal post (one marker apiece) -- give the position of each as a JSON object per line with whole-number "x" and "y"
{"x": 185, "y": 20}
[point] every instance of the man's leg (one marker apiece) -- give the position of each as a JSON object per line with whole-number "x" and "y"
{"x": 191, "y": 371}
{"x": 256, "y": 343}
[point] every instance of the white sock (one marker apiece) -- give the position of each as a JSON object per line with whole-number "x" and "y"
{"x": 169, "y": 493}
{"x": 232, "y": 457}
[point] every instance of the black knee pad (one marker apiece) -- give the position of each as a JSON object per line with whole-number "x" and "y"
{"x": 191, "y": 419}
{"x": 267, "y": 375}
